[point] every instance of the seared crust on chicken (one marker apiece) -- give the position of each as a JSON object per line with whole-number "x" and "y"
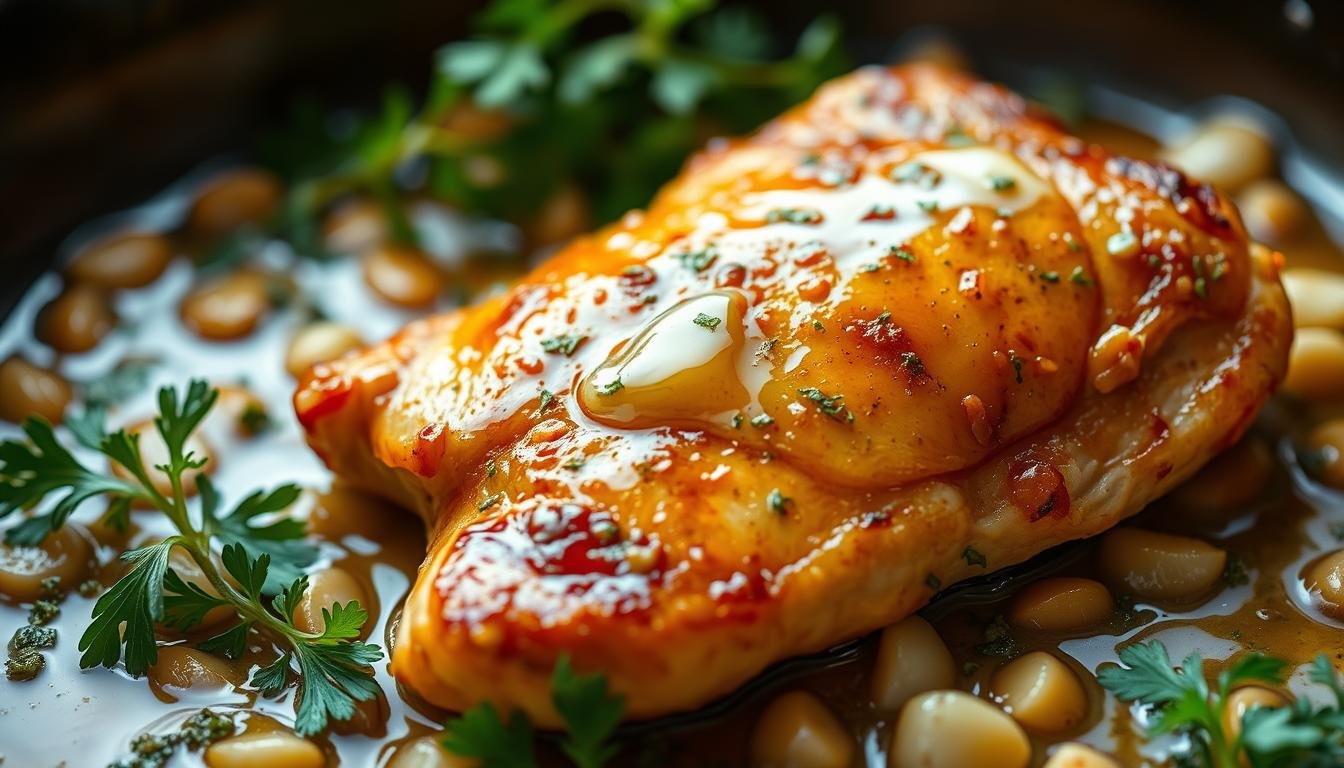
{"x": 906, "y": 326}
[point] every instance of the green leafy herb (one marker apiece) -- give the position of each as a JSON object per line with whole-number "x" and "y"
{"x": 589, "y": 709}
{"x": 564, "y": 345}
{"x": 933, "y": 582}
{"x": 917, "y": 173}
{"x": 762, "y": 420}
{"x": 707, "y": 321}
{"x": 261, "y": 551}
{"x": 611, "y": 387}
{"x": 828, "y": 404}
{"x": 1017, "y": 364}
{"x": 912, "y": 363}
{"x": 794, "y": 216}
{"x": 489, "y": 501}
{"x": 777, "y": 501}
{"x": 615, "y": 114}
{"x": 902, "y": 253}
{"x": 972, "y": 556}
{"x": 1079, "y": 277}
{"x": 998, "y": 639}
{"x": 591, "y": 713}
{"x": 151, "y": 750}
{"x": 1236, "y": 573}
{"x": 1000, "y": 183}
{"x": 127, "y": 378}
{"x": 480, "y": 733}
{"x": 699, "y": 260}
{"x": 1184, "y": 702}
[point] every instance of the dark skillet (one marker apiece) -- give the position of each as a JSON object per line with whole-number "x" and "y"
{"x": 104, "y": 104}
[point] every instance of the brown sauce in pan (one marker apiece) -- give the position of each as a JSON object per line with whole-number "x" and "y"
{"x": 1255, "y": 502}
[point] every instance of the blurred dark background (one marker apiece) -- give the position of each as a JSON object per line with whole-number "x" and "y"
{"x": 103, "y": 102}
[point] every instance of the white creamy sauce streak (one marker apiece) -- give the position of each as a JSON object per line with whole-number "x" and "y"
{"x": 647, "y": 378}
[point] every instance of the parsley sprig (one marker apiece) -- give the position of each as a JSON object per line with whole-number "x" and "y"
{"x": 1300, "y": 735}
{"x": 261, "y": 554}
{"x": 590, "y": 711}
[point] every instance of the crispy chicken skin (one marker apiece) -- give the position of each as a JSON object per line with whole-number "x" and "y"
{"x": 906, "y": 323}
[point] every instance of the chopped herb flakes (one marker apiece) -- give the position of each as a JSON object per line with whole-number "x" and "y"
{"x": 933, "y": 582}
{"x": 700, "y": 260}
{"x": 972, "y": 556}
{"x": 254, "y": 420}
{"x": 902, "y": 253}
{"x": 489, "y": 502}
{"x": 762, "y": 420}
{"x": 491, "y": 468}
{"x": 817, "y": 326}
{"x": 777, "y": 502}
{"x": 1000, "y": 183}
{"x": 707, "y": 321}
{"x": 564, "y": 345}
{"x": 1016, "y": 362}
{"x": 1236, "y": 573}
{"x": 1208, "y": 269}
{"x": 880, "y": 213}
{"x": 912, "y": 363}
{"x": 928, "y": 206}
{"x": 828, "y": 404}
{"x": 43, "y": 611}
{"x": 545, "y": 400}
{"x": 611, "y": 387}
{"x": 737, "y": 421}
{"x": 1079, "y": 277}
{"x": 917, "y": 173}
{"x": 807, "y": 216}
{"x": 1050, "y": 276}
{"x": 156, "y": 750}
{"x": 998, "y": 640}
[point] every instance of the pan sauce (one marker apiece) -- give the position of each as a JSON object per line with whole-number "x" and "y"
{"x": 1255, "y": 503}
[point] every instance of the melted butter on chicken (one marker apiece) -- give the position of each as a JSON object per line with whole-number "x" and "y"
{"x": 906, "y": 332}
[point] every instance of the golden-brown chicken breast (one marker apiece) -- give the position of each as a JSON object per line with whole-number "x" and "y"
{"x": 906, "y": 333}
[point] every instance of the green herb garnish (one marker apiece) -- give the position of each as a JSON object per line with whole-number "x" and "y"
{"x": 699, "y": 260}
{"x": 1184, "y": 703}
{"x": 794, "y": 216}
{"x": 902, "y": 253}
{"x": 262, "y": 555}
{"x": 589, "y": 709}
{"x": 707, "y": 321}
{"x": 828, "y": 404}
{"x": 564, "y": 345}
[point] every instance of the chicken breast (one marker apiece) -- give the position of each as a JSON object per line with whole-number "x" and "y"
{"x": 907, "y": 333}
